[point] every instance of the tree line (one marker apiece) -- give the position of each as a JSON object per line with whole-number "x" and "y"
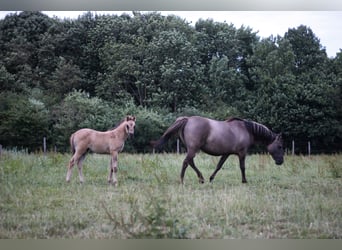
{"x": 59, "y": 75}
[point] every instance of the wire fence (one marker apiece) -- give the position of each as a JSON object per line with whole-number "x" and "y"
{"x": 293, "y": 147}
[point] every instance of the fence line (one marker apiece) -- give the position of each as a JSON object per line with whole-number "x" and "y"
{"x": 308, "y": 147}
{"x": 295, "y": 147}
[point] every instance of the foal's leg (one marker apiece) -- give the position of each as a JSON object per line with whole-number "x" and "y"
{"x": 219, "y": 166}
{"x": 69, "y": 172}
{"x": 113, "y": 168}
{"x": 189, "y": 159}
{"x": 80, "y": 166}
{"x": 72, "y": 161}
{"x": 242, "y": 167}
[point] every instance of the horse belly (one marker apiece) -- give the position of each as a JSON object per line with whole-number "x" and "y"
{"x": 99, "y": 148}
{"x": 98, "y": 143}
{"x": 220, "y": 142}
{"x": 216, "y": 147}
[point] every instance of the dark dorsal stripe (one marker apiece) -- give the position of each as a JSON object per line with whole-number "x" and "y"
{"x": 260, "y": 132}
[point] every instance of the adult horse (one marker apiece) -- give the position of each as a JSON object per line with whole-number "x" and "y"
{"x": 108, "y": 142}
{"x": 221, "y": 138}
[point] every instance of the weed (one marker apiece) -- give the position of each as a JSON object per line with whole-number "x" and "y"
{"x": 335, "y": 168}
{"x": 153, "y": 222}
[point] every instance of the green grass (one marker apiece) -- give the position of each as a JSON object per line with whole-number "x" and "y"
{"x": 300, "y": 199}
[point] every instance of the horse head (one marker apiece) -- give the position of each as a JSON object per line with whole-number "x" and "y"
{"x": 130, "y": 125}
{"x": 276, "y": 150}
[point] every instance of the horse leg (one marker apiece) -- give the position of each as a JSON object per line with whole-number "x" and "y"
{"x": 199, "y": 174}
{"x": 242, "y": 167}
{"x": 80, "y": 166}
{"x": 113, "y": 168}
{"x": 71, "y": 165}
{"x": 189, "y": 159}
{"x": 219, "y": 166}
{"x": 185, "y": 165}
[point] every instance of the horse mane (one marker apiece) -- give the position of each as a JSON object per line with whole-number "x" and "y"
{"x": 260, "y": 131}
{"x": 116, "y": 125}
{"x": 128, "y": 118}
{"x": 230, "y": 119}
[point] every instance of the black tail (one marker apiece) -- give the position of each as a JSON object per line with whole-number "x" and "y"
{"x": 174, "y": 128}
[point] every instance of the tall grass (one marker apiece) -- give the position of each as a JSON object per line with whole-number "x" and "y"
{"x": 300, "y": 199}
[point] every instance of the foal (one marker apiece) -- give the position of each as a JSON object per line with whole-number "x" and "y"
{"x": 108, "y": 142}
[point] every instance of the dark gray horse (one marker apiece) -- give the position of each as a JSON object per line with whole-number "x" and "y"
{"x": 221, "y": 138}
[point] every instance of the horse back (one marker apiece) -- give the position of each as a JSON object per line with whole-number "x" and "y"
{"x": 89, "y": 139}
{"x": 195, "y": 131}
{"x": 216, "y": 137}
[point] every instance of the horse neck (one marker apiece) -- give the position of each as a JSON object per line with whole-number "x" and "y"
{"x": 121, "y": 131}
{"x": 260, "y": 132}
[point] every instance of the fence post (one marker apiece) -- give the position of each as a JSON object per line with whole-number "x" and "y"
{"x": 177, "y": 146}
{"x": 293, "y": 147}
{"x": 44, "y": 145}
{"x": 309, "y": 148}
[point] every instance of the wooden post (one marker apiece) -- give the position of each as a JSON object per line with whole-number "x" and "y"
{"x": 178, "y": 146}
{"x": 309, "y": 148}
{"x": 293, "y": 147}
{"x": 44, "y": 145}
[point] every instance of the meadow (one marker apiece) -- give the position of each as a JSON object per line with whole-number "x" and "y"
{"x": 299, "y": 199}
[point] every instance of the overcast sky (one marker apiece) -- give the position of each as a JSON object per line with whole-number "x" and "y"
{"x": 326, "y": 25}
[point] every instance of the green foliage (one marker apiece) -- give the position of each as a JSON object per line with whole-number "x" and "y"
{"x": 283, "y": 90}
{"x": 24, "y": 121}
{"x": 78, "y": 110}
{"x": 92, "y": 71}
{"x": 154, "y": 222}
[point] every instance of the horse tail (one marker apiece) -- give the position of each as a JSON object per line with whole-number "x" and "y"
{"x": 72, "y": 144}
{"x": 177, "y": 126}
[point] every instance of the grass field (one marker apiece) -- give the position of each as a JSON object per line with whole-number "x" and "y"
{"x": 300, "y": 199}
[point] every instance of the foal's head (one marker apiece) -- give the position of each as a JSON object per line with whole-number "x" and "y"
{"x": 130, "y": 124}
{"x": 276, "y": 150}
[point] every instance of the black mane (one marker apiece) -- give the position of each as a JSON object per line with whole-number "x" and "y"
{"x": 261, "y": 132}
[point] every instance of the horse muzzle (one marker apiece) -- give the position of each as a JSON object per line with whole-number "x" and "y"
{"x": 279, "y": 162}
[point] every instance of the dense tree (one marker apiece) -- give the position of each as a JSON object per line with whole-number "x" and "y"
{"x": 24, "y": 121}
{"x": 60, "y": 75}
{"x": 291, "y": 97}
{"x": 78, "y": 110}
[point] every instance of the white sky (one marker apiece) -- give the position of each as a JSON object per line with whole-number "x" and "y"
{"x": 326, "y": 25}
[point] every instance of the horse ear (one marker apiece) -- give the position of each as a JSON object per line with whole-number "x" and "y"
{"x": 280, "y": 137}
{"x": 130, "y": 118}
